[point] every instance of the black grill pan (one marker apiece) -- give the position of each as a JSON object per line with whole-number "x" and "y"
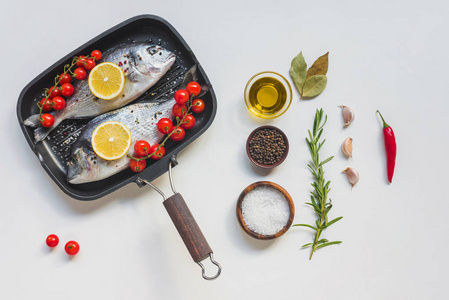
{"x": 53, "y": 153}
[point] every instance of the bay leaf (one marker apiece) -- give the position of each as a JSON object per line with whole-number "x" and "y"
{"x": 298, "y": 71}
{"x": 319, "y": 67}
{"x": 314, "y": 86}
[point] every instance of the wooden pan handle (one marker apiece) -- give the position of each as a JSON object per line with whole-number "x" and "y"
{"x": 187, "y": 227}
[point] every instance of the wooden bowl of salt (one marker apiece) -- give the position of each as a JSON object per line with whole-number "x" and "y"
{"x": 265, "y": 210}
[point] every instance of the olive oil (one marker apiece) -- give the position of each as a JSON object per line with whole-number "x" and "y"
{"x": 267, "y": 96}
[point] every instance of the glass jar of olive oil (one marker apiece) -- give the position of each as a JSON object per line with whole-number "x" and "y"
{"x": 268, "y": 95}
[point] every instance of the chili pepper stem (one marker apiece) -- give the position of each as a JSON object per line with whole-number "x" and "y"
{"x": 385, "y": 123}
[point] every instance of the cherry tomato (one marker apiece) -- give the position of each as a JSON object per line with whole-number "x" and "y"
{"x": 197, "y": 106}
{"x": 96, "y": 54}
{"x": 47, "y": 120}
{"x": 159, "y": 153}
{"x": 81, "y": 61}
{"x": 142, "y": 148}
{"x": 179, "y": 110}
{"x": 65, "y": 78}
{"x": 80, "y": 73}
{"x": 72, "y": 248}
{"x": 189, "y": 122}
{"x": 181, "y": 96}
{"x": 137, "y": 166}
{"x": 193, "y": 88}
{"x": 90, "y": 64}
{"x": 46, "y": 105}
{"x": 165, "y": 125}
{"x": 54, "y": 92}
{"x": 52, "y": 240}
{"x": 67, "y": 89}
{"x": 58, "y": 103}
{"x": 178, "y": 134}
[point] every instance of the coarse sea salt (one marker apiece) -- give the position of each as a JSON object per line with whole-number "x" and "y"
{"x": 265, "y": 210}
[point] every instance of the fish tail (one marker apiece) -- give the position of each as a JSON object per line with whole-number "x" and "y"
{"x": 41, "y": 133}
{"x": 32, "y": 121}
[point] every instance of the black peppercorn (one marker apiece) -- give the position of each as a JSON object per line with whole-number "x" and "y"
{"x": 267, "y": 146}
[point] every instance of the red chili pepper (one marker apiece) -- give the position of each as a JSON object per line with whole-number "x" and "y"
{"x": 390, "y": 148}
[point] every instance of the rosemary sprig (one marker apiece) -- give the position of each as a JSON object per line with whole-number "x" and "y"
{"x": 318, "y": 197}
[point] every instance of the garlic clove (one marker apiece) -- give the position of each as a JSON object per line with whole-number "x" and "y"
{"x": 352, "y": 174}
{"x": 348, "y": 114}
{"x": 346, "y": 147}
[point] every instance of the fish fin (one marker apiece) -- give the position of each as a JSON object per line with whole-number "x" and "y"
{"x": 41, "y": 133}
{"x": 32, "y": 121}
{"x": 191, "y": 75}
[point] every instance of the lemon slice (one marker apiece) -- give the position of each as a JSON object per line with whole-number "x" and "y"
{"x": 111, "y": 140}
{"x": 106, "y": 80}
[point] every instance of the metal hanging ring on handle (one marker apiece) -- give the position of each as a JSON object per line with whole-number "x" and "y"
{"x": 203, "y": 272}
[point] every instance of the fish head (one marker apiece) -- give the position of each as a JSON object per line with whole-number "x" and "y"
{"x": 153, "y": 60}
{"x": 83, "y": 167}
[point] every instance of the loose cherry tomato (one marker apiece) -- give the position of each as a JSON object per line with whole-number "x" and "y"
{"x": 46, "y": 104}
{"x": 58, "y": 103}
{"x": 96, "y": 54}
{"x": 47, "y": 120}
{"x": 181, "y": 96}
{"x": 142, "y": 148}
{"x": 67, "y": 89}
{"x": 80, "y": 73}
{"x": 54, "y": 92}
{"x": 178, "y": 134}
{"x": 193, "y": 88}
{"x": 72, "y": 248}
{"x": 189, "y": 122}
{"x": 65, "y": 78}
{"x": 165, "y": 125}
{"x": 179, "y": 110}
{"x": 90, "y": 64}
{"x": 159, "y": 153}
{"x": 197, "y": 106}
{"x": 52, "y": 240}
{"x": 137, "y": 166}
{"x": 81, "y": 61}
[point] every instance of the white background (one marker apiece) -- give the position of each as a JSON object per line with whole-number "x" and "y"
{"x": 387, "y": 55}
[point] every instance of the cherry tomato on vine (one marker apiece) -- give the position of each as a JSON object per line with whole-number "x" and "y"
{"x": 159, "y": 153}
{"x": 72, "y": 248}
{"x": 54, "y": 92}
{"x": 189, "y": 122}
{"x": 137, "y": 166}
{"x": 178, "y": 134}
{"x": 57, "y": 103}
{"x": 165, "y": 125}
{"x": 179, "y": 110}
{"x": 193, "y": 88}
{"x": 52, "y": 240}
{"x": 67, "y": 89}
{"x": 46, "y": 104}
{"x": 81, "y": 61}
{"x": 90, "y": 64}
{"x": 47, "y": 120}
{"x": 96, "y": 54}
{"x": 142, "y": 148}
{"x": 181, "y": 96}
{"x": 80, "y": 73}
{"x": 197, "y": 106}
{"x": 65, "y": 78}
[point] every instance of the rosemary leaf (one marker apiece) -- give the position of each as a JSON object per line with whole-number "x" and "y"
{"x": 327, "y": 244}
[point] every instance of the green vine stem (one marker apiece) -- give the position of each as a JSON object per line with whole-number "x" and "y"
{"x": 318, "y": 197}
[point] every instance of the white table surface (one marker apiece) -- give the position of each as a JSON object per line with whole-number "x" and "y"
{"x": 387, "y": 55}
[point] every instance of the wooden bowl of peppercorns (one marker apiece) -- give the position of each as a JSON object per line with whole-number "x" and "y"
{"x": 267, "y": 146}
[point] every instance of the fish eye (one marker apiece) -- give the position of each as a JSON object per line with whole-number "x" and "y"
{"x": 153, "y": 50}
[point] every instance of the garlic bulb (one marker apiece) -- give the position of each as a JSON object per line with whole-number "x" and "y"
{"x": 346, "y": 147}
{"x": 348, "y": 114}
{"x": 352, "y": 174}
